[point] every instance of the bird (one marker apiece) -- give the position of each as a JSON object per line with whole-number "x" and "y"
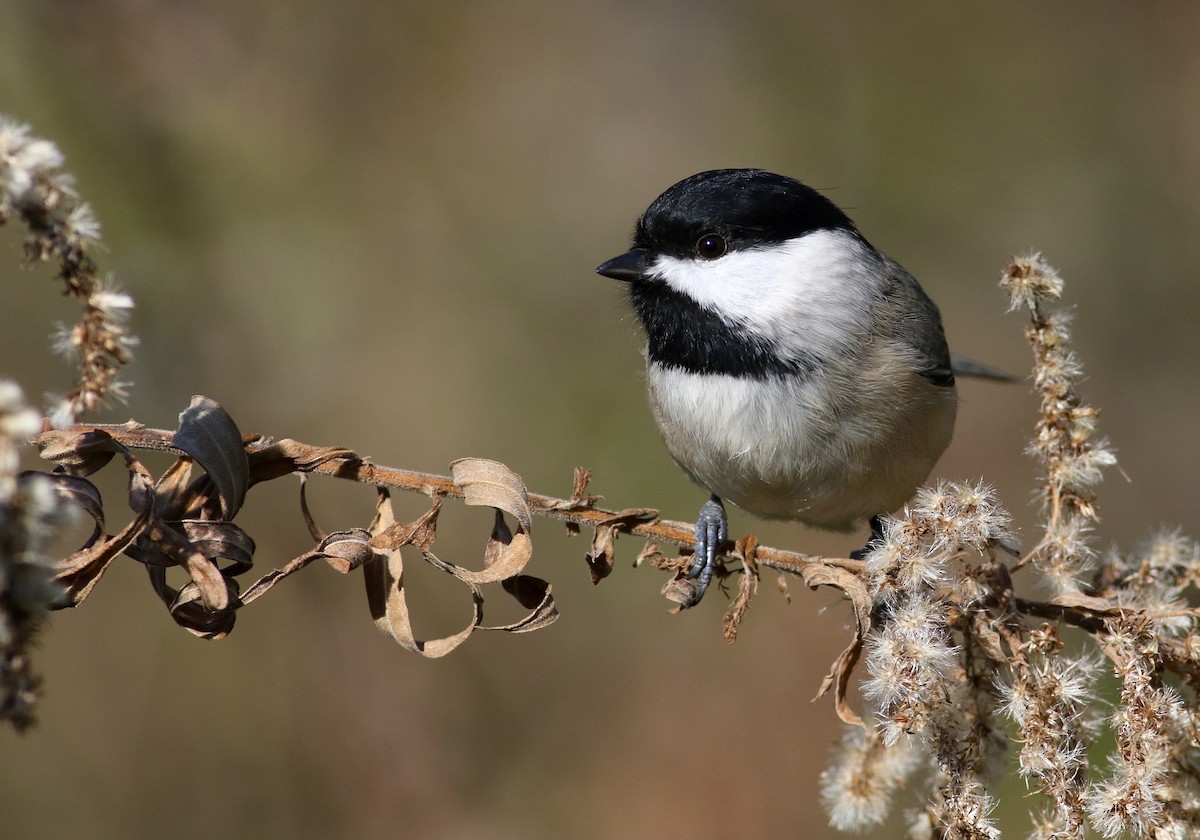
{"x": 792, "y": 368}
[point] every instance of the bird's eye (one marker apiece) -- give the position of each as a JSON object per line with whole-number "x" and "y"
{"x": 710, "y": 246}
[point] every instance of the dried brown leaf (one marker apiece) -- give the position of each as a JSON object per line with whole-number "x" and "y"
{"x": 681, "y": 590}
{"x": 389, "y": 535}
{"x": 383, "y": 575}
{"x": 985, "y": 633}
{"x": 314, "y": 530}
{"x": 160, "y": 546}
{"x": 1087, "y": 603}
{"x": 486, "y": 482}
{"x": 286, "y": 456}
{"x": 579, "y": 498}
{"x": 749, "y": 585}
{"x": 389, "y": 608}
{"x": 171, "y": 497}
{"x": 602, "y": 554}
{"x": 220, "y": 541}
{"x": 782, "y": 585}
{"x": 79, "y": 452}
{"x": 345, "y": 551}
{"x": 79, "y": 493}
{"x": 81, "y": 571}
{"x": 491, "y": 483}
{"x": 534, "y": 594}
{"x": 838, "y": 678}
{"x": 264, "y": 584}
{"x": 649, "y": 554}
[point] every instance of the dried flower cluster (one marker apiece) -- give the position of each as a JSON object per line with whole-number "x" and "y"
{"x": 1064, "y": 440}
{"x": 932, "y": 581}
{"x": 30, "y": 513}
{"x": 35, "y": 190}
{"x": 952, "y": 652}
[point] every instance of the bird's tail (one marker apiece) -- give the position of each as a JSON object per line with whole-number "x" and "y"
{"x": 969, "y": 367}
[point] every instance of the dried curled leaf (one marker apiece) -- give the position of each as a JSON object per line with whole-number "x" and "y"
{"x": 186, "y": 522}
{"x": 79, "y": 453}
{"x": 507, "y": 552}
{"x": 81, "y": 571}
{"x": 838, "y": 678}
{"x": 601, "y": 556}
{"x": 486, "y": 482}
{"x": 383, "y": 575}
{"x": 208, "y": 434}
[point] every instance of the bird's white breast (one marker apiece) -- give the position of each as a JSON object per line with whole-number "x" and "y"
{"x": 831, "y": 449}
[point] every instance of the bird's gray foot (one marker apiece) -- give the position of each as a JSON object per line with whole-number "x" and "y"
{"x": 712, "y": 529}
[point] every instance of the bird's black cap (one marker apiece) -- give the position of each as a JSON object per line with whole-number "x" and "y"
{"x": 746, "y": 207}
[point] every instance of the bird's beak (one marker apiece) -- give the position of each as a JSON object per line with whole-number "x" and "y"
{"x": 632, "y": 265}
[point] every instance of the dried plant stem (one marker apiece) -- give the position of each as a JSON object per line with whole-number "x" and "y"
{"x": 640, "y": 522}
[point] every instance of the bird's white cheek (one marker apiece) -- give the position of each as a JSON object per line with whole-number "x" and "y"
{"x": 809, "y": 289}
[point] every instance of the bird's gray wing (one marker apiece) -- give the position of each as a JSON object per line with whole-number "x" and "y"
{"x": 919, "y": 325}
{"x": 909, "y": 317}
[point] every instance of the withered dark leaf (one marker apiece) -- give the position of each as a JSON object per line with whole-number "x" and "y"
{"x": 171, "y": 497}
{"x": 189, "y": 612}
{"x": 81, "y": 571}
{"x": 270, "y": 460}
{"x": 77, "y": 492}
{"x": 161, "y": 546}
{"x": 220, "y": 541}
{"x": 534, "y": 594}
{"x": 210, "y": 436}
{"x": 602, "y": 555}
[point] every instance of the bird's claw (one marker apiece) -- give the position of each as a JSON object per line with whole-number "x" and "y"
{"x": 873, "y": 542}
{"x": 712, "y": 530}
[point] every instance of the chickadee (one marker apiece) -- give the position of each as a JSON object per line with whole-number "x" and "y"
{"x": 793, "y": 369}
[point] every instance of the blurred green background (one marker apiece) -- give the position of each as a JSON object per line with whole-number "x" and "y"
{"x": 375, "y": 224}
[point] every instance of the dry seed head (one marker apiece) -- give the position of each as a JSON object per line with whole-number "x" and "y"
{"x": 1030, "y": 280}
{"x": 857, "y": 787}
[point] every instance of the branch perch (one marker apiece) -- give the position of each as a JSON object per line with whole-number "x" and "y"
{"x": 345, "y": 464}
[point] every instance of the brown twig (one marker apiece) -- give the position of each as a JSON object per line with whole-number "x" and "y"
{"x": 350, "y": 466}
